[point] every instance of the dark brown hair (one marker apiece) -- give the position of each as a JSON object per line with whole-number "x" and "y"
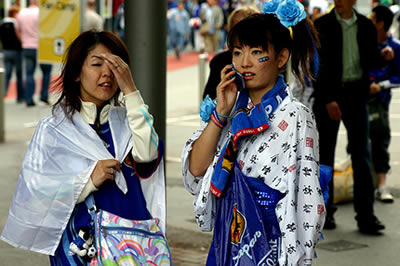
{"x": 73, "y": 62}
{"x": 260, "y": 30}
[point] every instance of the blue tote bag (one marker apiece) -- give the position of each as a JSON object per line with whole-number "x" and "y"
{"x": 240, "y": 236}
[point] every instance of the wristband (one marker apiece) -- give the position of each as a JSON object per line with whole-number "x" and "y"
{"x": 217, "y": 122}
{"x": 219, "y": 115}
{"x": 224, "y": 116}
{"x": 216, "y": 115}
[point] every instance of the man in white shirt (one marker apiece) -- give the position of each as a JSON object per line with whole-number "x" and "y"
{"x": 93, "y": 20}
{"x": 28, "y": 30}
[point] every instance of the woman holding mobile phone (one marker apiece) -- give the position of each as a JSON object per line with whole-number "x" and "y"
{"x": 264, "y": 139}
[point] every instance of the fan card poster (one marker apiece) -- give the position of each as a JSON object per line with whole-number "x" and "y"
{"x": 59, "y": 25}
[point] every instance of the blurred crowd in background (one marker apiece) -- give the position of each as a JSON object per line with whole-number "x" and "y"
{"x": 194, "y": 25}
{"x": 188, "y": 20}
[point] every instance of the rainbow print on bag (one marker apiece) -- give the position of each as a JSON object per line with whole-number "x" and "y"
{"x": 129, "y": 242}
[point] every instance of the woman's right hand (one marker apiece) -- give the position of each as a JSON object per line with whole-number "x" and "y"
{"x": 226, "y": 91}
{"x": 105, "y": 170}
{"x": 121, "y": 71}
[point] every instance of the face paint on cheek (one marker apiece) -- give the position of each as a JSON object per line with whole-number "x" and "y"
{"x": 263, "y": 59}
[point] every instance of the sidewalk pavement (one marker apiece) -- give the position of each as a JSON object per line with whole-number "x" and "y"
{"x": 342, "y": 246}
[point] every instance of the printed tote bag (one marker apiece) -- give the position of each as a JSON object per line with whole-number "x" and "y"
{"x": 121, "y": 241}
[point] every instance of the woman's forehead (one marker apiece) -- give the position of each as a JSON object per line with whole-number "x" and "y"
{"x": 99, "y": 49}
{"x": 239, "y": 45}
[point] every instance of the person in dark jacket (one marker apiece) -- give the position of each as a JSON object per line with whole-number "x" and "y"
{"x": 348, "y": 51}
{"x": 12, "y": 51}
{"x": 383, "y": 80}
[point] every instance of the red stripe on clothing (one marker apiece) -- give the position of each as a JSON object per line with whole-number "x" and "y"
{"x": 215, "y": 191}
{"x": 248, "y": 131}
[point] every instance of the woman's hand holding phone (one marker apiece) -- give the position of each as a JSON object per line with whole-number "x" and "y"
{"x": 227, "y": 90}
{"x": 239, "y": 80}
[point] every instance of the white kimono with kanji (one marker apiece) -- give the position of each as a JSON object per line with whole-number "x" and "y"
{"x": 286, "y": 157}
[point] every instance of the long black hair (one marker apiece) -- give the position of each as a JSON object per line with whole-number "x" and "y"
{"x": 260, "y": 30}
{"x": 73, "y": 62}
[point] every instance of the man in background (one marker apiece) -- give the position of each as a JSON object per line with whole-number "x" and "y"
{"x": 214, "y": 17}
{"x": 28, "y": 30}
{"x": 93, "y": 21}
{"x": 12, "y": 51}
{"x": 348, "y": 51}
{"x": 384, "y": 79}
{"x": 179, "y": 28}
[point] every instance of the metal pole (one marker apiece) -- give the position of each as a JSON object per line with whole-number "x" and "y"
{"x": 202, "y": 75}
{"x": 2, "y": 85}
{"x": 145, "y": 37}
{"x": 82, "y": 15}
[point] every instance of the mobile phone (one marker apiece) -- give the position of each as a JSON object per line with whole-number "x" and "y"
{"x": 239, "y": 81}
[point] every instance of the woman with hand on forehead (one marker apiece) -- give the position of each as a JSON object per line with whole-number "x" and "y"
{"x": 264, "y": 140}
{"x": 96, "y": 142}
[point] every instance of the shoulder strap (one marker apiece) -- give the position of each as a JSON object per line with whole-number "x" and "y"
{"x": 89, "y": 201}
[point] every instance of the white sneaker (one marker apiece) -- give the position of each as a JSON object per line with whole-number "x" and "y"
{"x": 383, "y": 194}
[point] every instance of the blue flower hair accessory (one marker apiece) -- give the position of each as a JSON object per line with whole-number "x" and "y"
{"x": 206, "y": 108}
{"x": 289, "y": 12}
{"x": 270, "y": 7}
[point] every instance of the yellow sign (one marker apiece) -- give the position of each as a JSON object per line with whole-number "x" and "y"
{"x": 59, "y": 25}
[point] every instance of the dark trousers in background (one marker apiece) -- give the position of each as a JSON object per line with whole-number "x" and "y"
{"x": 30, "y": 66}
{"x": 379, "y": 134}
{"x": 355, "y": 119}
{"x": 13, "y": 58}
{"x": 46, "y": 74}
